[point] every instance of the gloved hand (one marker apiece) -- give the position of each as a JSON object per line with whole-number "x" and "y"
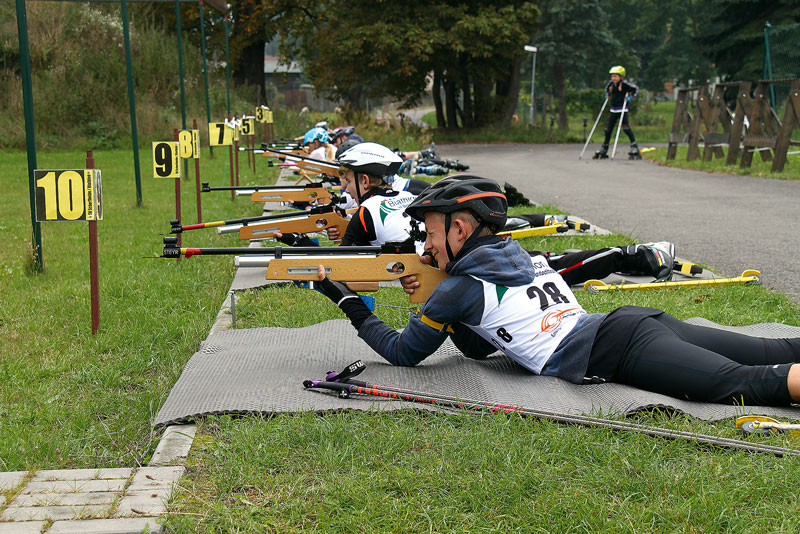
{"x": 336, "y": 291}
{"x": 628, "y": 98}
{"x": 348, "y": 301}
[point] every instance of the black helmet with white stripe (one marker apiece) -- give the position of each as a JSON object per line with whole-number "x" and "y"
{"x": 482, "y": 196}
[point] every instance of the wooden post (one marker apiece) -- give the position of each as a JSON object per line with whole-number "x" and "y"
{"x": 717, "y": 115}
{"x": 743, "y": 103}
{"x": 94, "y": 278}
{"x": 230, "y": 157}
{"x": 791, "y": 118}
{"x": 197, "y": 178}
{"x": 236, "y": 154}
{"x": 177, "y": 193}
{"x": 699, "y": 118}
{"x": 759, "y": 110}
{"x": 681, "y": 119}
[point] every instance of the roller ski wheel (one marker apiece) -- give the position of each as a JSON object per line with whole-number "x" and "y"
{"x": 600, "y": 155}
{"x": 634, "y": 155}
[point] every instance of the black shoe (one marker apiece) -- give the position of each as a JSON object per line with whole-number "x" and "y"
{"x": 653, "y": 259}
{"x": 602, "y": 153}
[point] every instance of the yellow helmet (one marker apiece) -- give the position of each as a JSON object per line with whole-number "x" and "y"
{"x": 617, "y": 69}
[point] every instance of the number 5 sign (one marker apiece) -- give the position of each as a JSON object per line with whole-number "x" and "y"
{"x": 68, "y": 195}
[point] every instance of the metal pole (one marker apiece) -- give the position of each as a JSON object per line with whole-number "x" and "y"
{"x": 180, "y": 62}
{"x": 227, "y": 64}
{"x": 131, "y": 102}
{"x": 205, "y": 69}
{"x": 767, "y": 70}
{"x": 533, "y": 81}
{"x": 30, "y": 136}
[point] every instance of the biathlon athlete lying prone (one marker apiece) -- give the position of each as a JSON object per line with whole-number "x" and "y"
{"x": 500, "y": 297}
{"x": 380, "y": 219}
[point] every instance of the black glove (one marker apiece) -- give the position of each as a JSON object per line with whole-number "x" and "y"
{"x": 348, "y": 301}
{"x": 296, "y": 240}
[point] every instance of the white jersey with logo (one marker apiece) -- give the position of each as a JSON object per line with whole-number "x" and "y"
{"x": 528, "y": 322}
{"x": 389, "y": 219}
{"x": 399, "y": 184}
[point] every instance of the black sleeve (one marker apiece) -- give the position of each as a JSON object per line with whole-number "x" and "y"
{"x": 471, "y": 344}
{"x": 630, "y": 89}
{"x": 360, "y": 230}
{"x": 416, "y": 186}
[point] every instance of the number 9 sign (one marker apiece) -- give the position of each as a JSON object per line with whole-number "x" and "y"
{"x": 166, "y": 159}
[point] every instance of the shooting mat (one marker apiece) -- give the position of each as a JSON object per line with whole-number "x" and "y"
{"x": 261, "y": 370}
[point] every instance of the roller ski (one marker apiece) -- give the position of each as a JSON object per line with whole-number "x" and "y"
{"x": 760, "y": 425}
{"x": 634, "y": 153}
{"x": 602, "y": 153}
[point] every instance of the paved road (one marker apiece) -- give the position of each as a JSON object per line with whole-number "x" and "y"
{"x": 731, "y": 223}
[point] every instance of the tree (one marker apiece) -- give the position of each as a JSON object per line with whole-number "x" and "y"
{"x": 575, "y": 43}
{"x": 364, "y": 48}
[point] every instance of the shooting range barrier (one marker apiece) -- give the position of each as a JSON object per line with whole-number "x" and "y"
{"x": 753, "y": 126}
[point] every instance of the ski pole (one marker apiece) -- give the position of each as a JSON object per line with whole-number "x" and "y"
{"x": 347, "y": 387}
{"x": 619, "y": 126}
{"x": 595, "y": 126}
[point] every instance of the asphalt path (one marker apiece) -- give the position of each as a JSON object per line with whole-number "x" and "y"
{"x": 728, "y": 222}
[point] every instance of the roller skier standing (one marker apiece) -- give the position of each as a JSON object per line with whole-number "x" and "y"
{"x": 620, "y": 93}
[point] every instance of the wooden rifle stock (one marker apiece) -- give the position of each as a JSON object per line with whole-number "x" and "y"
{"x": 380, "y": 268}
{"x": 309, "y": 194}
{"x": 298, "y": 224}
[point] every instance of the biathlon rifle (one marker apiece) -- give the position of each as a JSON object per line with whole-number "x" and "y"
{"x": 313, "y": 192}
{"x": 316, "y": 219}
{"x": 361, "y": 268}
{"x": 305, "y": 163}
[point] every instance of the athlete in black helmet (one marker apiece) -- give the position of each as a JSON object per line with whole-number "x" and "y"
{"x": 500, "y": 297}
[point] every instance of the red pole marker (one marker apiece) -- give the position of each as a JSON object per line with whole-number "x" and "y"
{"x": 197, "y": 177}
{"x": 236, "y": 154}
{"x": 177, "y": 190}
{"x": 230, "y": 157}
{"x": 94, "y": 278}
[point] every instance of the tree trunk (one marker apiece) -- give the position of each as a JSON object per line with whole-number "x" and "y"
{"x": 468, "y": 116}
{"x": 437, "y": 98}
{"x": 450, "y": 101}
{"x": 561, "y": 90}
{"x": 507, "y": 93}
{"x": 249, "y": 68}
{"x": 482, "y": 89}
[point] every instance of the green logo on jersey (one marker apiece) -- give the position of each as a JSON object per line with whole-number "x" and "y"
{"x": 501, "y": 290}
{"x": 385, "y": 210}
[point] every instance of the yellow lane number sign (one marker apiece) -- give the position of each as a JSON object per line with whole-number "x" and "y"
{"x": 188, "y": 144}
{"x": 166, "y": 159}
{"x": 68, "y": 195}
{"x": 220, "y": 134}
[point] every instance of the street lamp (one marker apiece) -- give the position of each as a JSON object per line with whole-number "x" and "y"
{"x": 529, "y": 48}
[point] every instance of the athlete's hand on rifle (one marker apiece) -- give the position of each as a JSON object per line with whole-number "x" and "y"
{"x": 336, "y": 291}
{"x": 409, "y": 282}
{"x": 349, "y": 302}
{"x": 334, "y": 234}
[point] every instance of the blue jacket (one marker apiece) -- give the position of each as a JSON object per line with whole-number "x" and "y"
{"x": 459, "y": 300}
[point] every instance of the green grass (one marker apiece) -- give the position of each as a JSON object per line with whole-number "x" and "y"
{"x": 758, "y": 167}
{"x": 71, "y": 399}
{"x": 415, "y": 471}
{"x": 651, "y": 123}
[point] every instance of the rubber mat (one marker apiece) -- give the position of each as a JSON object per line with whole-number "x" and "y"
{"x": 261, "y": 370}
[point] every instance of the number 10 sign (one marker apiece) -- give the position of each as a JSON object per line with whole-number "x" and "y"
{"x": 68, "y": 195}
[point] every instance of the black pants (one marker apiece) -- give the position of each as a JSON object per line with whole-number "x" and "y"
{"x": 612, "y": 121}
{"x": 668, "y": 356}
